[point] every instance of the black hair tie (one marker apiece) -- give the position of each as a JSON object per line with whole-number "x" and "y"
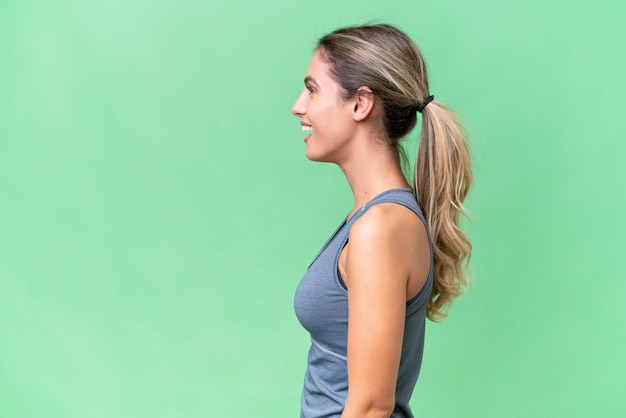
{"x": 422, "y": 105}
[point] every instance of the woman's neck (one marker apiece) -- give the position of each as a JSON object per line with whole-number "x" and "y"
{"x": 371, "y": 172}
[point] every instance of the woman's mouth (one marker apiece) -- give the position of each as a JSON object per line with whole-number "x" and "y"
{"x": 307, "y": 128}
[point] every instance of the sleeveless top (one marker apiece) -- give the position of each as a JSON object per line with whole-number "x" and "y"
{"x": 321, "y": 305}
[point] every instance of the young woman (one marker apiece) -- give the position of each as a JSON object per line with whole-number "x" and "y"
{"x": 392, "y": 262}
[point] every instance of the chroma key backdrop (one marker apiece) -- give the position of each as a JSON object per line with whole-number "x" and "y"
{"x": 157, "y": 210}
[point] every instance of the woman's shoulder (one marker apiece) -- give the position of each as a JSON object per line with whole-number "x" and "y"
{"x": 385, "y": 224}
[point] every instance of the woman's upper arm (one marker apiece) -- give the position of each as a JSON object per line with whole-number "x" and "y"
{"x": 377, "y": 282}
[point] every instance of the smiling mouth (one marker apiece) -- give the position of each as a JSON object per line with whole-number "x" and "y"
{"x": 307, "y": 128}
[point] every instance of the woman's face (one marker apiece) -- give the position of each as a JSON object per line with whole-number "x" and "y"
{"x": 326, "y": 117}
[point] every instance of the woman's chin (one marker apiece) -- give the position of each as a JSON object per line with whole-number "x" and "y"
{"x": 312, "y": 157}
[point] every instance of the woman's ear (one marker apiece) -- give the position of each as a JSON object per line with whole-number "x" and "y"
{"x": 363, "y": 103}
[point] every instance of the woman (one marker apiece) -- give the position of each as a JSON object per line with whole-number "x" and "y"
{"x": 390, "y": 264}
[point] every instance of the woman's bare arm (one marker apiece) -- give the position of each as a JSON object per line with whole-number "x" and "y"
{"x": 377, "y": 271}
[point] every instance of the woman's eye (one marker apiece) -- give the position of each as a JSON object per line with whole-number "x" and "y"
{"x": 310, "y": 89}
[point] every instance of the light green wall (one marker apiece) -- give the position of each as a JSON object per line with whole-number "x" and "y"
{"x": 157, "y": 211}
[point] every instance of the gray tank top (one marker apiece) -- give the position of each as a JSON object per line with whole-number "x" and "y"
{"x": 321, "y": 305}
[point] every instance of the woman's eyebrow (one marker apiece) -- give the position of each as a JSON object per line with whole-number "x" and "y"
{"x": 309, "y": 79}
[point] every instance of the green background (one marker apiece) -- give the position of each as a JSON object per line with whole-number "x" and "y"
{"x": 157, "y": 210}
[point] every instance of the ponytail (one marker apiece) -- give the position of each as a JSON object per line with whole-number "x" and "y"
{"x": 443, "y": 176}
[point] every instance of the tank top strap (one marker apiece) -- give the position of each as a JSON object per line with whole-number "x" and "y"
{"x": 402, "y": 196}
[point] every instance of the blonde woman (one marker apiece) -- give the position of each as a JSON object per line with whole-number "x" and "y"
{"x": 393, "y": 262}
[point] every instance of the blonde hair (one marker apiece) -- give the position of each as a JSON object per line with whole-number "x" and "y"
{"x": 387, "y": 61}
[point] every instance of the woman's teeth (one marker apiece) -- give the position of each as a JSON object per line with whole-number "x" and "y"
{"x": 307, "y": 128}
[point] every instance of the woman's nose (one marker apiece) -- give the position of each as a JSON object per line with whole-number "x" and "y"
{"x": 298, "y": 107}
